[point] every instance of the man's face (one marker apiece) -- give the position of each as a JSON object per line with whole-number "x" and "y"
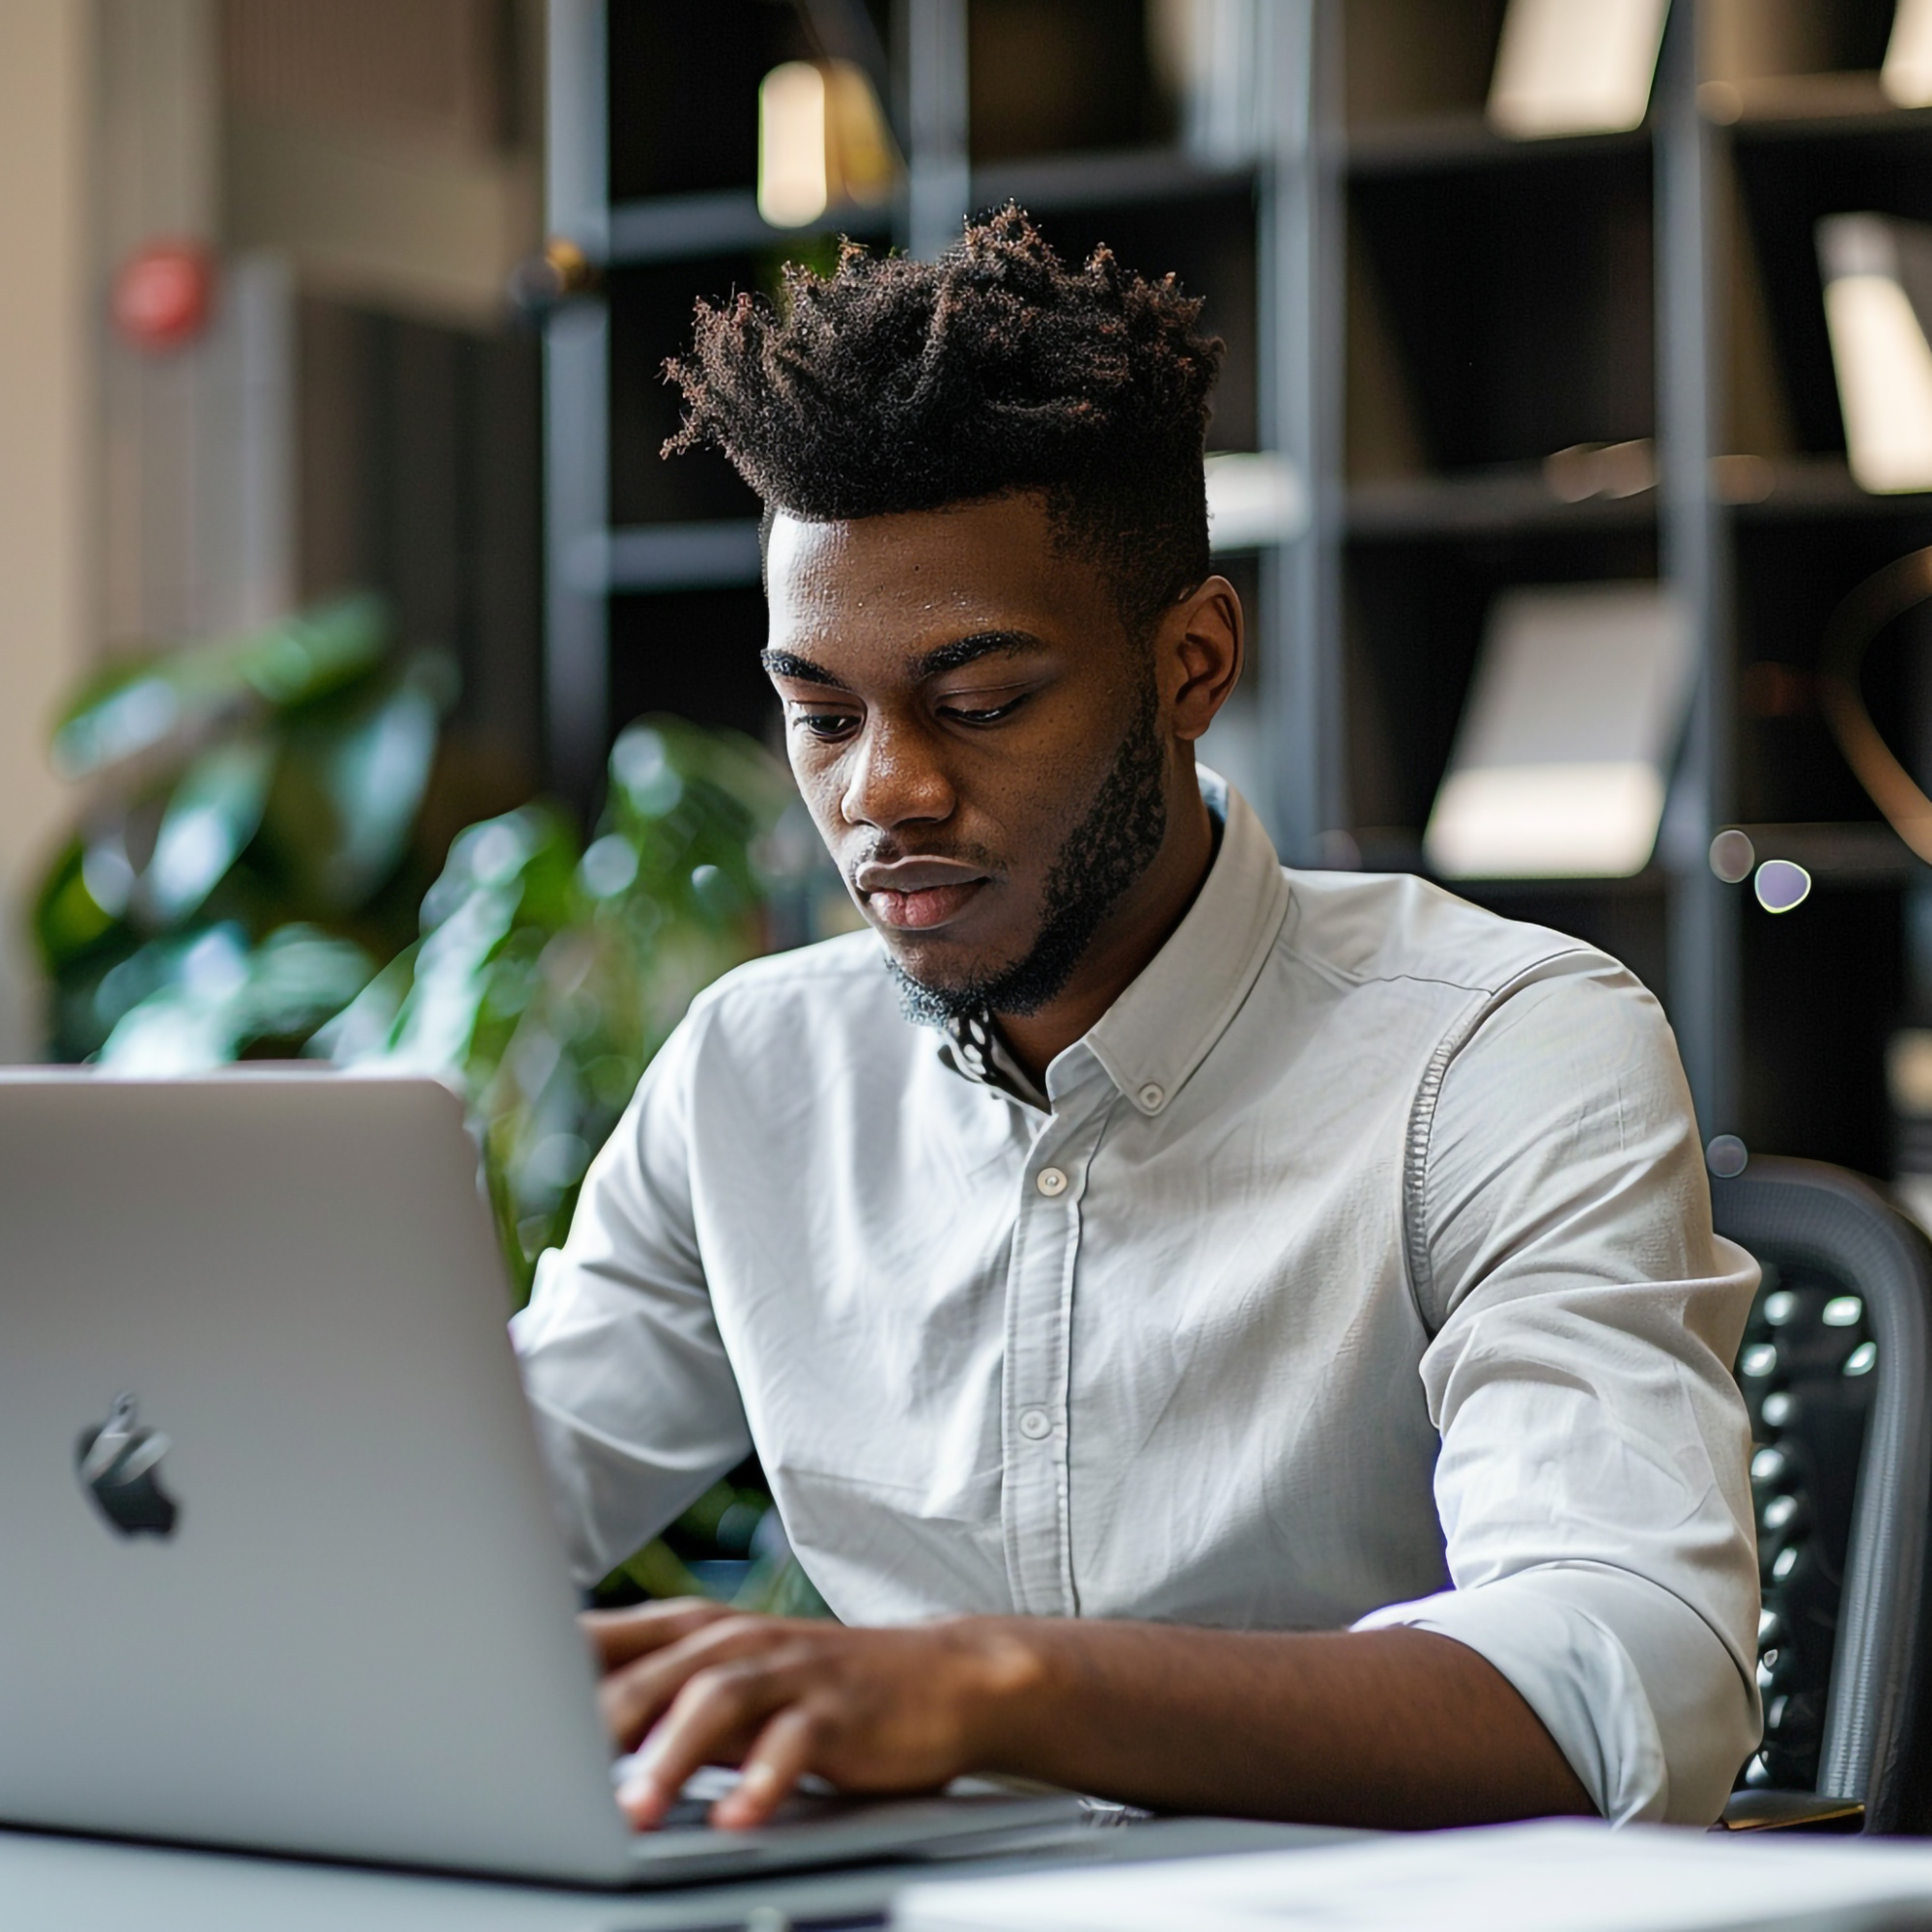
{"x": 976, "y": 734}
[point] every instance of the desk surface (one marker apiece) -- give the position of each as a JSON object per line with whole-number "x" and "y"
{"x": 51, "y": 1884}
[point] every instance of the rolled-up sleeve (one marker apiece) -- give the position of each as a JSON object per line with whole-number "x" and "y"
{"x": 636, "y": 1404}
{"x": 1593, "y": 1482}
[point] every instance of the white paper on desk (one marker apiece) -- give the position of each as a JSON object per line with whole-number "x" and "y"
{"x": 1550, "y": 1877}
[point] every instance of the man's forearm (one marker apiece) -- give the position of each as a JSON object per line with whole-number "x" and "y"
{"x": 1392, "y": 1727}
{"x": 1395, "y": 1727}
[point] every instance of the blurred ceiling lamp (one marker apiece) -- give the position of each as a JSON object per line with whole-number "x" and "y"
{"x": 822, "y": 142}
{"x": 1878, "y": 289}
{"x": 1907, "y": 74}
{"x": 1559, "y": 761}
{"x": 1254, "y": 499}
{"x": 1575, "y": 66}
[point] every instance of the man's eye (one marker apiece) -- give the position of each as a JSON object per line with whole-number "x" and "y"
{"x": 826, "y": 723}
{"x": 985, "y": 717}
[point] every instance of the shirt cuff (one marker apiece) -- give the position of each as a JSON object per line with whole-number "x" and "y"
{"x": 1638, "y": 1693}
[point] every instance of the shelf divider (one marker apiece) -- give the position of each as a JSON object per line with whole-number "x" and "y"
{"x": 1695, "y": 559}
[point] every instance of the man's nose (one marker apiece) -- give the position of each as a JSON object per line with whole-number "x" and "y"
{"x": 894, "y": 779}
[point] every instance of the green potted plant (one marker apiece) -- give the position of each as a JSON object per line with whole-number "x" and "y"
{"x": 248, "y": 879}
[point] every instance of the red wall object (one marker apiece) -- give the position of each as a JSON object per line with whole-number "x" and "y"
{"x": 164, "y": 295}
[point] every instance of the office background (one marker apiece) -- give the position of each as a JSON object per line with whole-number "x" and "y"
{"x": 1545, "y": 452}
{"x": 371, "y": 691}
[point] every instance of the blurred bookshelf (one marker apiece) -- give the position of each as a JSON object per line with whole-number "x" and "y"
{"x": 1491, "y": 361}
{"x": 1074, "y": 108}
{"x": 1510, "y": 302}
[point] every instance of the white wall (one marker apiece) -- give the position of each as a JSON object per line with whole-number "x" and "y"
{"x": 46, "y": 331}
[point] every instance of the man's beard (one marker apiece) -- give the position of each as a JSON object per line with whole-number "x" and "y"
{"x": 1106, "y": 854}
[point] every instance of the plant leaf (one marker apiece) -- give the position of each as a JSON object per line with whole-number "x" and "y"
{"x": 352, "y": 781}
{"x": 213, "y": 813}
{"x": 220, "y": 997}
{"x": 141, "y": 703}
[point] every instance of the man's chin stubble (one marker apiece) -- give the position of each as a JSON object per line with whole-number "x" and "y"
{"x": 1107, "y": 853}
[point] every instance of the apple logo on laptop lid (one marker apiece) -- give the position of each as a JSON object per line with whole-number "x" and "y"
{"x": 117, "y": 1465}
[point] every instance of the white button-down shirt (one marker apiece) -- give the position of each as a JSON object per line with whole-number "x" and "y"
{"x": 1360, "y": 1272}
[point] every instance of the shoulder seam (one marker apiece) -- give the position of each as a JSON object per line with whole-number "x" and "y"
{"x": 1482, "y": 1002}
{"x": 1488, "y": 988}
{"x": 1415, "y": 1152}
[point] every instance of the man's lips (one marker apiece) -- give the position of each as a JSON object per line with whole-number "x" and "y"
{"x": 917, "y": 911}
{"x": 916, "y": 895}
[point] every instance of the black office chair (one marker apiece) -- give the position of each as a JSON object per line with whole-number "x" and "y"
{"x": 1836, "y": 1370}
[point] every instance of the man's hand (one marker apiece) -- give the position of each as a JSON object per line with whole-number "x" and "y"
{"x": 1392, "y": 1727}
{"x": 867, "y": 1709}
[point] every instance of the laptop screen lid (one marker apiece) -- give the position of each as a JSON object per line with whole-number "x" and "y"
{"x": 281, "y": 1571}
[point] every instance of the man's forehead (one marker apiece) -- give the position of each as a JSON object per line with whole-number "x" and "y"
{"x": 992, "y": 561}
{"x": 799, "y": 551}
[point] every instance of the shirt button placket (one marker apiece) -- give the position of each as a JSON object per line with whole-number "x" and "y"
{"x": 1039, "y": 1314}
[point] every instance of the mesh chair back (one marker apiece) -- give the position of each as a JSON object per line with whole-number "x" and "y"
{"x": 1837, "y": 1371}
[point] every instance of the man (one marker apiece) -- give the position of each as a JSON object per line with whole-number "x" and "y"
{"x": 1220, "y": 1338}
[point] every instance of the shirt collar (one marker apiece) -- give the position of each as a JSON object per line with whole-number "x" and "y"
{"x": 1153, "y": 1037}
{"x": 970, "y": 1044}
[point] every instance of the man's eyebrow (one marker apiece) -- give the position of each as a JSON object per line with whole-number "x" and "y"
{"x": 962, "y": 651}
{"x": 952, "y": 656}
{"x": 801, "y": 671}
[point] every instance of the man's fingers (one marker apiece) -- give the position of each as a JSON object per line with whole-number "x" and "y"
{"x": 617, "y": 1636}
{"x": 780, "y": 1756}
{"x": 633, "y": 1697}
{"x": 709, "y": 1722}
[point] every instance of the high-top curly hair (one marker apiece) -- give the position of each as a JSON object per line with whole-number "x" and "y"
{"x": 894, "y": 384}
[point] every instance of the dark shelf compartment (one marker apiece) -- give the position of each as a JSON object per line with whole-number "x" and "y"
{"x": 650, "y": 318}
{"x": 1517, "y": 304}
{"x": 682, "y": 94}
{"x": 1061, "y": 76}
{"x": 1416, "y": 610}
{"x": 1412, "y": 62}
{"x": 693, "y": 653}
{"x": 1791, "y": 576}
{"x": 1821, "y": 988}
{"x": 1786, "y": 186}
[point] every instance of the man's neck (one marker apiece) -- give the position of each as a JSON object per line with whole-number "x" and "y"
{"x": 1129, "y": 938}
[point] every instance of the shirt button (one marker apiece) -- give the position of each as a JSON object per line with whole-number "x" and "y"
{"x": 1035, "y": 1424}
{"x": 1152, "y": 1098}
{"x": 1050, "y": 1180}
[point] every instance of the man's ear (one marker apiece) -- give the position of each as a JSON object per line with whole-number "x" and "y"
{"x": 1201, "y": 645}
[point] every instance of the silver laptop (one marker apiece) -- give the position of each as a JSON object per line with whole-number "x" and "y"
{"x": 281, "y": 1570}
